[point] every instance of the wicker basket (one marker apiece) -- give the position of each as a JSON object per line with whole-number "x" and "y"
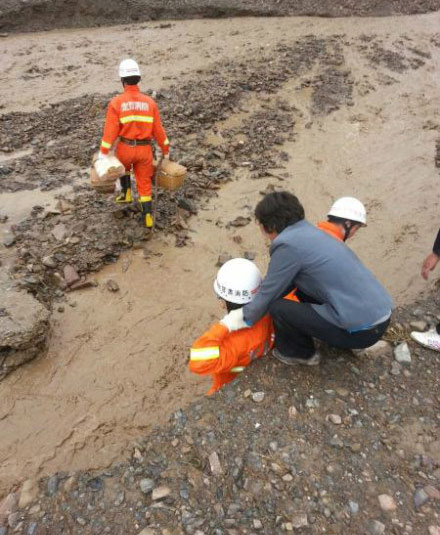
{"x": 171, "y": 175}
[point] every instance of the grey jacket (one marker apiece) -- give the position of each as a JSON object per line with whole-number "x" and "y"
{"x": 326, "y": 270}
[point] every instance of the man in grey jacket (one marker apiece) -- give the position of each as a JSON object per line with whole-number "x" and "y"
{"x": 341, "y": 302}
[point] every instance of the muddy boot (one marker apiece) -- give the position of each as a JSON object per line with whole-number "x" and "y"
{"x": 146, "y": 206}
{"x": 125, "y": 196}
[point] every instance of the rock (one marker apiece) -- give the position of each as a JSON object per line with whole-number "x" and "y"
{"x": 214, "y": 463}
{"x": 70, "y": 275}
{"x": 52, "y": 485}
{"x": 222, "y": 259}
{"x": 146, "y": 485}
{"x": 293, "y": 413}
{"x": 420, "y": 497}
{"x": 49, "y": 261}
{"x": 300, "y": 521}
{"x": 432, "y": 492}
{"x": 70, "y": 484}
{"x": 434, "y": 530}
{"x": 29, "y": 493}
{"x": 239, "y": 221}
{"x": 14, "y": 519}
{"x": 402, "y": 353}
{"x": 250, "y": 255}
{"x": 336, "y": 442}
{"x": 387, "y": 503}
{"x": 258, "y": 397}
{"x": 9, "y": 240}
{"x": 335, "y": 419}
{"x": 147, "y": 531}
{"x": 32, "y": 529}
{"x": 354, "y": 507}
{"x": 396, "y": 368}
{"x": 7, "y": 506}
{"x": 59, "y": 232}
{"x": 376, "y": 528}
{"x": 419, "y": 325}
{"x": 3, "y": 531}
{"x": 160, "y": 493}
{"x": 112, "y": 286}
{"x": 23, "y": 326}
{"x": 257, "y": 524}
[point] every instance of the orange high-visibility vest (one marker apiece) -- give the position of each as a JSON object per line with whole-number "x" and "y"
{"x": 133, "y": 115}
{"x": 223, "y": 354}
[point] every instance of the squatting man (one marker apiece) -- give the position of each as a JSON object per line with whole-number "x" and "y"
{"x": 337, "y": 299}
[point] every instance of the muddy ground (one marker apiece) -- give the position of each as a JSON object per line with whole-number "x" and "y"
{"x": 32, "y": 15}
{"x": 321, "y": 107}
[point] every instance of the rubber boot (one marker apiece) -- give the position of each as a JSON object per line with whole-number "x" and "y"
{"x": 146, "y": 205}
{"x": 125, "y": 196}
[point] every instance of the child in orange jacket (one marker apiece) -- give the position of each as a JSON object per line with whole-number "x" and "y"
{"x": 223, "y": 354}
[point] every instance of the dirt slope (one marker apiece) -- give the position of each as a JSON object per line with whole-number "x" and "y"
{"x": 48, "y": 14}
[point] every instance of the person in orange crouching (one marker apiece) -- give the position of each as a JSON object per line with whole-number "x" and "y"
{"x": 223, "y": 354}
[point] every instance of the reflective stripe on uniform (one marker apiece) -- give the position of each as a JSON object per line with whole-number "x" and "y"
{"x": 205, "y": 353}
{"x": 166, "y": 142}
{"x": 136, "y": 118}
{"x": 105, "y": 144}
{"x": 145, "y": 198}
{"x": 237, "y": 369}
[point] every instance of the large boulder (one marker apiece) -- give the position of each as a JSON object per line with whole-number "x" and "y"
{"x": 23, "y": 326}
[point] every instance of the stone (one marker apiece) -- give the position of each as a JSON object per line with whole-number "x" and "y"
{"x": 29, "y": 493}
{"x": 70, "y": 275}
{"x": 146, "y": 485}
{"x": 300, "y": 521}
{"x": 420, "y": 497}
{"x": 214, "y": 463}
{"x": 112, "y": 286}
{"x": 49, "y": 261}
{"x": 3, "y": 531}
{"x": 419, "y": 325}
{"x": 70, "y": 484}
{"x": 356, "y": 447}
{"x": 52, "y": 485}
{"x": 402, "y": 353}
{"x": 432, "y": 492}
{"x": 7, "y": 506}
{"x": 14, "y": 519}
{"x": 376, "y": 528}
{"x": 353, "y": 507}
{"x": 9, "y": 240}
{"x": 258, "y": 397}
{"x": 434, "y": 530}
{"x": 387, "y": 503}
{"x": 396, "y": 368}
{"x": 32, "y": 529}
{"x": 23, "y": 326}
{"x": 257, "y": 524}
{"x": 250, "y": 255}
{"x": 59, "y": 232}
{"x": 336, "y": 442}
{"x": 160, "y": 493}
{"x": 222, "y": 259}
{"x": 293, "y": 412}
{"x": 147, "y": 531}
{"x": 334, "y": 419}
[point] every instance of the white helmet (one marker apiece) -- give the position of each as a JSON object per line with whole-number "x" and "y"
{"x": 238, "y": 280}
{"x": 349, "y": 208}
{"x": 128, "y": 67}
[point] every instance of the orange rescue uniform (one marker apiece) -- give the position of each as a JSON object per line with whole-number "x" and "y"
{"x": 223, "y": 355}
{"x": 333, "y": 230}
{"x": 135, "y": 116}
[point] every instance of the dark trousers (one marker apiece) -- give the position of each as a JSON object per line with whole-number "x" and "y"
{"x": 296, "y": 324}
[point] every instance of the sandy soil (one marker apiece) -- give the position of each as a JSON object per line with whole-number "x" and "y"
{"x": 116, "y": 362}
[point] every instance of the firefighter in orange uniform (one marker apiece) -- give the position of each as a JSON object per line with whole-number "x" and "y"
{"x": 133, "y": 118}
{"x": 223, "y": 354}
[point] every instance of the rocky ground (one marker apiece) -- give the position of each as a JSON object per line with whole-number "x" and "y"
{"x": 47, "y": 14}
{"x": 349, "y": 446}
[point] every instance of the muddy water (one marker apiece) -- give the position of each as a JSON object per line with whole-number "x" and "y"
{"x": 117, "y": 361}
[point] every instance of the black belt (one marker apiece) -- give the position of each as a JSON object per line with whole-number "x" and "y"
{"x": 135, "y": 142}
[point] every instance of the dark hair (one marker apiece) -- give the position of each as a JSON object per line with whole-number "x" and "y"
{"x": 131, "y": 80}
{"x": 278, "y": 210}
{"x": 232, "y": 306}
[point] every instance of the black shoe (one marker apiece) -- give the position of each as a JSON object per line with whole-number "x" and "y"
{"x": 314, "y": 360}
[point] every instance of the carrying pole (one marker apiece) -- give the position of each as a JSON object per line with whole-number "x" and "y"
{"x": 156, "y": 173}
